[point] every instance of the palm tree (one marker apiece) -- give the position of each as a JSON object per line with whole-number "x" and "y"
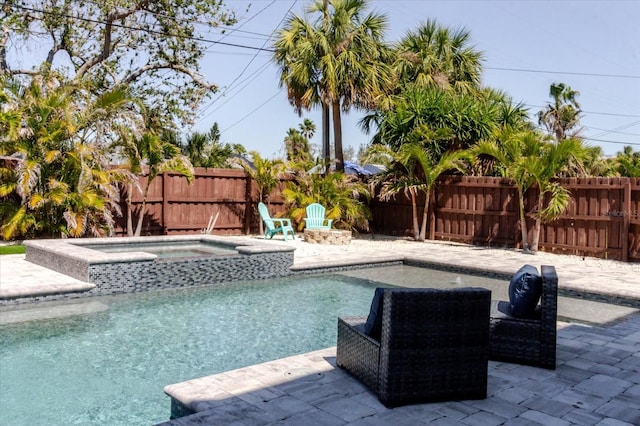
{"x": 152, "y": 155}
{"x": 58, "y": 181}
{"x": 563, "y": 115}
{"x": 297, "y": 147}
{"x": 265, "y": 173}
{"x": 528, "y": 157}
{"x": 627, "y": 162}
{"x": 344, "y": 197}
{"x": 436, "y": 56}
{"x": 206, "y": 150}
{"x": 338, "y": 61}
{"x": 307, "y": 128}
{"x": 415, "y": 168}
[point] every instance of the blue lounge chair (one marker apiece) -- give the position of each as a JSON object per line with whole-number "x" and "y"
{"x": 315, "y": 217}
{"x": 274, "y": 225}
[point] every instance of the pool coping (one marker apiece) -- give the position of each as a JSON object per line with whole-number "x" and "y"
{"x": 54, "y": 269}
{"x": 77, "y": 250}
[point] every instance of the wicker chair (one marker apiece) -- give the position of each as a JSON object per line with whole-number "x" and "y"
{"x": 527, "y": 341}
{"x": 433, "y": 346}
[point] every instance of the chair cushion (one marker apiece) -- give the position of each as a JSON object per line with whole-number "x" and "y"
{"x": 525, "y": 290}
{"x": 373, "y": 326}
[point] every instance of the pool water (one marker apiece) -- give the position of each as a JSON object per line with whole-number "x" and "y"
{"x": 109, "y": 367}
{"x": 165, "y": 250}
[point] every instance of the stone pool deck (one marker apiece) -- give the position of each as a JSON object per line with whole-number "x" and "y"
{"x": 597, "y": 380}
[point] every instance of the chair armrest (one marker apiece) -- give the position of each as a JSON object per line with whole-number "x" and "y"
{"x": 357, "y": 352}
{"x": 282, "y": 221}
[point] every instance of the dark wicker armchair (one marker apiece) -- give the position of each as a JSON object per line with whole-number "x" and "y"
{"x": 433, "y": 346}
{"x": 527, "y": 341}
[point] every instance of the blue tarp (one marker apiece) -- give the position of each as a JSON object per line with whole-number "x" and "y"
{"x": 351, "y": 167}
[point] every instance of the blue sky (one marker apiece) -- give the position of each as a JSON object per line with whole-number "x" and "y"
{"x": 593, "y": 46}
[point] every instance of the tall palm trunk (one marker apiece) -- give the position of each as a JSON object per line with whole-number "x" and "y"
{"x": 337, "y": 135}
{"x": 326, "y": 145}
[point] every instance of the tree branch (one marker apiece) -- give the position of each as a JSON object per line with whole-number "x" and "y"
{"x": 107, "y": 47}
{"x": 176, "y": 67}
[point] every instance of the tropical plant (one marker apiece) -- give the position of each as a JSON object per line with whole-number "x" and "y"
{"x": 436, "y": 56}
{"x": 206, "y": 150}
{"x": 627, "y": 162}
{"x": 338, "y": 60}
{"x": 563, "y": 115}
{"x": 266, "y": 173}
{"x": 344, "y": 197}
{"x": 297, "y": 147}
{"x": 150, "y": 155}
{"x": 56, "y": 180}
{"x": 457, "y": 120}
{"x": 307, "y": 128}
{"x": 528, "y": 158}
{"x": 414, "y": 170}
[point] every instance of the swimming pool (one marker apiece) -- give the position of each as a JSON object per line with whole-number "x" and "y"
{"x": 109, "y": 366}
{"x": 109, "y": 363}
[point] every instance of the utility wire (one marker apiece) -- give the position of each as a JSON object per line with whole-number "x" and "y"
{"x": 129, "y": 27}
{"x": 563, "y": 72}
{"x": 250, "y": 62}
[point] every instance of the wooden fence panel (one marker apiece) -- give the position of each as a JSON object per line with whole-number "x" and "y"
{"x": 603, "y": 217}
{"x": 475, "y": 210}
{"x": 174, "y": 207}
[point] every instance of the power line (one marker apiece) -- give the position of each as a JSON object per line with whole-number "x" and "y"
{"x": 593, "y": 112}
{"x": 608, "y": 141}
{"x": 253, "y": 110}
{"x": 250, "y": 62}
{"x": 563, "y": 72}
{"x": 147, "y": 30}
{"x": 617, "y": 130}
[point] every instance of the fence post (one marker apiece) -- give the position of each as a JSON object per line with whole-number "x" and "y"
{"x": 165, "y": 202}
{"x": 626, "y": 218}
{"x": 248, "y": 208}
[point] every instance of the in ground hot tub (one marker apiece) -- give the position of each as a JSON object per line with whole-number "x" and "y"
{"x": 132, "y": 264}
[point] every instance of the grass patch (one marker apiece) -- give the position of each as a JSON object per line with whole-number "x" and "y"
{"x": 13, "y": 249}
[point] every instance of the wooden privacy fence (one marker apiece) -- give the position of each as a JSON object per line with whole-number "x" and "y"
{"x": 174, "y": 207}
{"x": 603, "y": 218}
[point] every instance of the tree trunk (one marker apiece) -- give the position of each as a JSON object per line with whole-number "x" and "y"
{"x": 414, "y": 214}
{"x": 523, "y": 222}
{"x": 425, "y": 216}
{"x": 261, "y": 226}
{"x": 326, "y": 145}
{"x": 143, "y": 206}
{"x": 337, "y": 135}
{"x": 129, "y": 216}
{"x": 537, "y": 226}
